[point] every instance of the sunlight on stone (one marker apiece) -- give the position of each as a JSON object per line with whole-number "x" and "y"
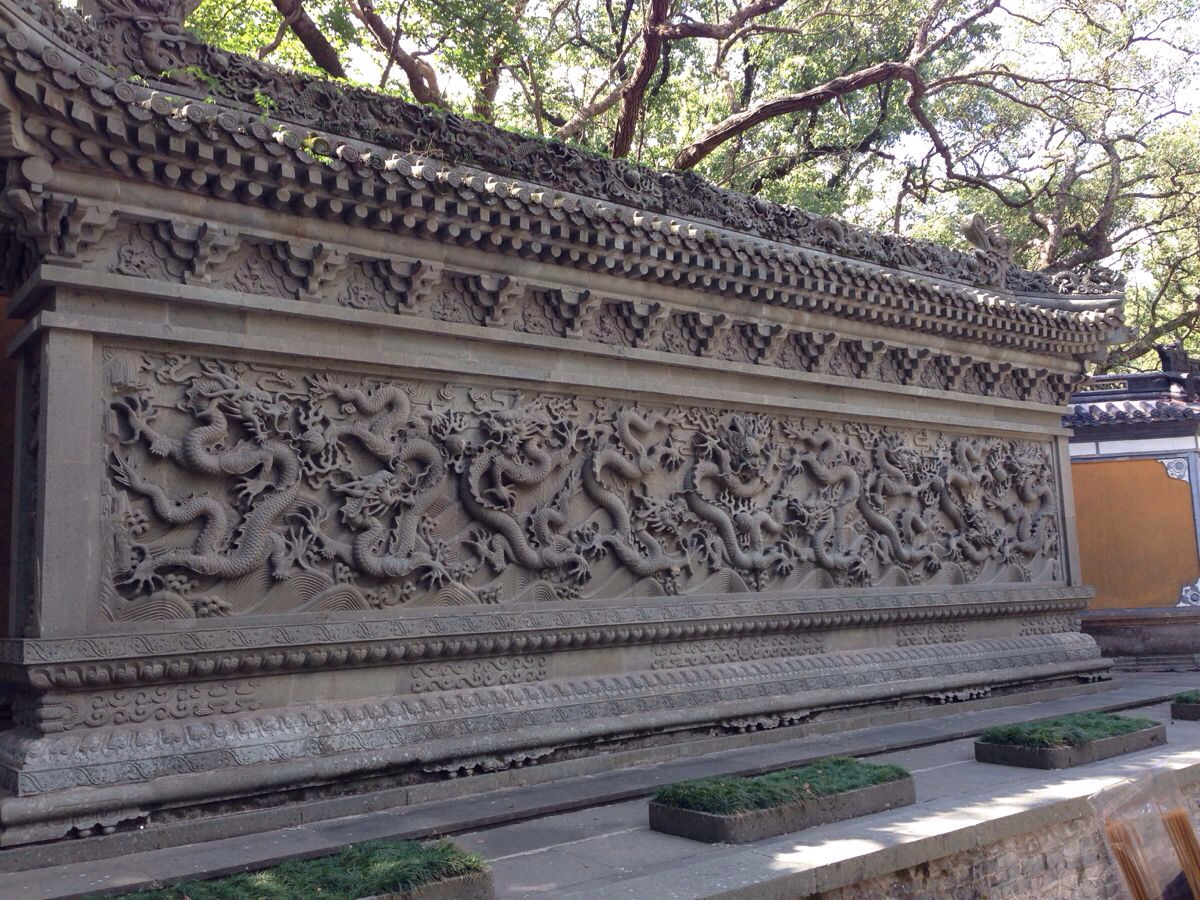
{"x": 1065, "y": 788}
{"x": 824, "y": 853}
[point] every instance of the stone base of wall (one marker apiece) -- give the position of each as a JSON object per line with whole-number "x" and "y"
{"x": 141, "y": 731}
{"x": 1147, "y": 640}
{"x": 117, "y": 777}
{"x": 1189, "y": 662}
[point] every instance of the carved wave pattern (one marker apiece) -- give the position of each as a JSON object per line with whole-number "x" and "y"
{"x": 242, "y": 489}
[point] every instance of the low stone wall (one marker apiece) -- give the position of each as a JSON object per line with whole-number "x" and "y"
{"x": 1066, "y": 860}
{"x": 1148, "y": 640}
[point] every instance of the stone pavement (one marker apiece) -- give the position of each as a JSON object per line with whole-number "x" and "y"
{"x": 609, "y": 853}
{"x": 587, "y": 836}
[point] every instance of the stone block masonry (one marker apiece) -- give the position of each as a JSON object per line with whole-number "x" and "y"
{"x": 1062, "y": 861}
{"x": 342, "y": 467}
{"x": 1066, "y": 861}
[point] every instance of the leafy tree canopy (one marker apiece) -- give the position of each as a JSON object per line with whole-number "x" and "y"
{"x": 1073, "y": 124}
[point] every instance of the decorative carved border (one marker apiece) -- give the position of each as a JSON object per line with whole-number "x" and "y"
{"x": 1189, "y": 595}
{"x": 1177, "y": 468}
{"x": 333, "y": 274}
{"x": 130, "y": 659}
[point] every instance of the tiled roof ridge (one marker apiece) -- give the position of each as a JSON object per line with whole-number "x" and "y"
{"x": 138, "y": 39}
{"x": 1130, "y": 411}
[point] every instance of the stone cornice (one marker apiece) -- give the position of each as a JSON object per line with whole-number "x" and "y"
{"x": 74, "y": 113}
{"x": 782, "y": 343}
{"x": 255, "y": 650}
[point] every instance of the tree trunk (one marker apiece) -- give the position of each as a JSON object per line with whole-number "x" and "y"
{"x": 310, "y": 36}
{"x": 635, "y": 92}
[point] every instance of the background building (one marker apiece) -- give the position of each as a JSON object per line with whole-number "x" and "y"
{"x": 1134, "y": 466}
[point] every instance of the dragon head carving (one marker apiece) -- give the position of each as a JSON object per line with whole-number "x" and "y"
{"x": 743, "y": 444}
{"x": 372, "y": 497}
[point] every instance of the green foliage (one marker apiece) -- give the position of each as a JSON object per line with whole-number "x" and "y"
{"x": 722, "y": 796}
{"x": 1187, "y": 697}
{"x": 1065, "y": 731}
{"x": 375, "y": 867}
{"x": 243, "y": 26}
{"x": 193, "y": 73}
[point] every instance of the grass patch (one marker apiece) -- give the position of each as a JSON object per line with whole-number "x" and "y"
{"x": 374, "y": 867}
{"x": 1065, "y": 731}
{"x": 732, "y": 794}
{"x": 1187, "y": 697}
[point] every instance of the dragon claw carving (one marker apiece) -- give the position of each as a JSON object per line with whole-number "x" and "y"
{"x": 249, "y": 489}
{"x": 143, "y": 577}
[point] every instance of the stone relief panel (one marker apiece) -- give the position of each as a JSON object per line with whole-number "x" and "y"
{"x": 470, "y": 673}
{"x": 1048, "y": 624}
{"x": 235, "y": 488}
{"x": 932, "y": 633}
{"x": 703, "y": 653}
{"x": 126, "y": 706}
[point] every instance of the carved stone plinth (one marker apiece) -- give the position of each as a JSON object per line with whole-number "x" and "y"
{"x": 344, "y": 468}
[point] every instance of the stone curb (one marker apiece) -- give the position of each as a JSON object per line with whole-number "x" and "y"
{"x": 1066, "y": 757}
{"x": 1187, "y": 711}
{"x": 754, "y": 825}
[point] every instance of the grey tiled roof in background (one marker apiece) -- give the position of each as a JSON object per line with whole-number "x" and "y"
{"x": 1130, "y": 412}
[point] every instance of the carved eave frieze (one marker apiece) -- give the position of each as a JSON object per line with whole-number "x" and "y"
{"x": 201, "y": 255}
{"x": 145, "y": 41}
{"x": 78, "y": 117}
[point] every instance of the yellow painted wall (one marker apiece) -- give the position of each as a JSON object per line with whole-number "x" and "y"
{"x": 1137, "y": 538}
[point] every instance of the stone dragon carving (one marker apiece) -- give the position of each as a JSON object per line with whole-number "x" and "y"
{"x": 236, "y": 488}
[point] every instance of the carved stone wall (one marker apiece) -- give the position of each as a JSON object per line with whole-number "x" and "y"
{"x": 235, "y": 488}
{"x": 406, "y": 448}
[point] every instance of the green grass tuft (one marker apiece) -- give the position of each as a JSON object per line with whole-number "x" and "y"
{"x": 1065, "y": 731}
{"x": 1187, "y": 697}
{"x": 374, "y": 867}
{"x": 732, "y": 794}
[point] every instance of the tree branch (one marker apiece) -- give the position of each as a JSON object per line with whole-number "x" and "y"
{"x": 310, "y": 36}
{"x": 422, "y": 79}
{"x": 813, "y": 98}
{"x": 674, "y": 31}
{"x": 634, "y": 91}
